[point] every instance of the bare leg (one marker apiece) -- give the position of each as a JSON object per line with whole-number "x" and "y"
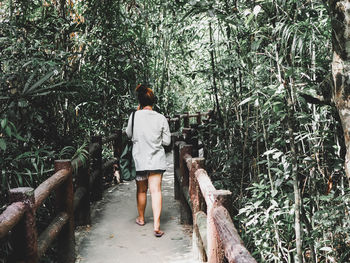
{"x": 141, "y": 197}
{"x": 155, "y": 185}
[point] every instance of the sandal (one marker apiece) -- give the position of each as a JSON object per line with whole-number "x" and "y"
{"x": 139, "y": 222}
{"x": 158, "y": 233}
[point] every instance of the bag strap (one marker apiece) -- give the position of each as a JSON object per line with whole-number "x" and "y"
{"x": 132, "y": 125}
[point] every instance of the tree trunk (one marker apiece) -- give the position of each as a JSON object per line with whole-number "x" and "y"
{"x": 294, "y": 161}
{"x": 215, "y": 88}
{"x": 340, "y": 15}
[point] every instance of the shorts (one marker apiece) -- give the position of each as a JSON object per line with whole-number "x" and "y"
{"x": 143, "y": 175}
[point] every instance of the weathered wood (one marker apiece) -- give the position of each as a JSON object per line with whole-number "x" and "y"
{"x": 93, "y": 177}
{"x": 82, "y": 210}
{"x": 96, "y": 158}
{"x": 51, "y": 232}
{"x": 185, "y": 150}
{"x": 186, "y": 120}
{"x": 177, "y": 122}
{"x": 24, "y": 234}
{"x": 205, "y": 185}
{"x": 215, "y": 251}
{"x": 199, "y": 118}
{"x": 118, "y": 144}
{"x": 196, "y": 163}
{"x": 10, "y": 217}
{"x": 50, "y": 184}
{"x": 79, "y": 195}
{"x": 187, "y": 198}
{"x": 234, "y": 248}
{"x": 64, "y": 203}
{"x": 210, "y": 194}
{"x": 186, "y": 212}
{"x": 188, "y": 161}
{"x": 175, "y": 137}
{"x": 176, "y": 156}
{"x": 201, "y": 225}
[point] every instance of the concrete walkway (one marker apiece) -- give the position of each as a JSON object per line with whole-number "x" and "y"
{"x": 114, "y": 237}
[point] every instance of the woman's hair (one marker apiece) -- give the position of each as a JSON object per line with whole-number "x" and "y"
{"x": 145, "y": 95}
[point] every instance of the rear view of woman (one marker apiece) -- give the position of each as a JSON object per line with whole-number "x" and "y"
{"x": 150, "y": 133}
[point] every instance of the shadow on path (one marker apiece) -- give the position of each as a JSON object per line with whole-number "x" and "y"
{"x": 114, "y": 236}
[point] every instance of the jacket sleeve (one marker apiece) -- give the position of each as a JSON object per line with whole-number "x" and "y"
{"x": 166, "y": 135}
{"x": 128, "y": 128}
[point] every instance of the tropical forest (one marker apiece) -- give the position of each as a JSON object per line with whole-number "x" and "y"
{"x": 274, "y": 75}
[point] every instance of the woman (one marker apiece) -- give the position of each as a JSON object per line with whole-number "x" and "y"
{"x": 151, "y": 132}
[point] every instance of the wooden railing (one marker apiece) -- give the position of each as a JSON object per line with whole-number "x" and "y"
{"x": 72, "y": 207}
{"x": 215, "y": 235}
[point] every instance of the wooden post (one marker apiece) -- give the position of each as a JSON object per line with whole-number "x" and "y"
{"x": 175, "y": 136}
{"x": 234, "y": 248}
{"x": 186, "y": 213}
{"x": 176, "y": 156}
{"x": 177, "y": 122}
{"x": 187, "y": 120}
{"x": 194, "y": 140}
{"x": 193, "y": 185}
{"x": 64, "y": 203}
{"x": 199, "y": 118}
{"x": 83, "y": 212}
{"x": 24, "y": 234}
{"x": 118, "y": 144}
{"x": 97, "y": 187}
{"x": 215, "y": 250}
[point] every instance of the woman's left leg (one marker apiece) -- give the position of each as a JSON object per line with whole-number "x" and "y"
{"x": 141, "y": 197}
{"x": 155, "y": 185}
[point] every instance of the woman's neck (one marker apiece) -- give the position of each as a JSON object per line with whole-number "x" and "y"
{"x": 147, "y": 108}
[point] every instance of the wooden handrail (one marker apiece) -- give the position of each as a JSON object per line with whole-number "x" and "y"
{"x": 62, "y": 226}
{"x": 10, "y": 217}
{"x": 213, "y": 227}
{"x": 51, "y": 232}
{"x": 234, "y": 248}
{"x": 50, "y": 184}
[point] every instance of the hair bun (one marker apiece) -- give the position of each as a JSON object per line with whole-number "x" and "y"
{"x": 141, "y": 88}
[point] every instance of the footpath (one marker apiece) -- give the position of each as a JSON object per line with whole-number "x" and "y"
{"x": 114, "y": 237}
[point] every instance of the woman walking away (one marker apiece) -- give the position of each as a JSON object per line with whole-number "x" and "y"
{"x": 151, "y": 132}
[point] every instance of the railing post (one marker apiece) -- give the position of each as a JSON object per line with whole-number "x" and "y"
{"x": 194, "y": 190}
{"x": 175, "y": 136}
{"x": 118, "y": 144}
{"x": 97, "y": 187}
{"x": 83, "y": 212}
{"x": 176, "y": 170}
{"x": 177, "y": 122}
{"x": 197, "y": 205}
{"x": 199, "y": 118}
{"x": 215, "y": 250}
{"x": 64, "y": 197}
{"x": 187, "y": 120}
{"x": 186, "y": 213}
{"x": 25, "y": 245}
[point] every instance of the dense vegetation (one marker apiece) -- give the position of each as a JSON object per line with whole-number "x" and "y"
{"x": 69, "y": 68}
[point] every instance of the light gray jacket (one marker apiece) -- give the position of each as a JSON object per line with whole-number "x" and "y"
{"x": 151, "y": 132}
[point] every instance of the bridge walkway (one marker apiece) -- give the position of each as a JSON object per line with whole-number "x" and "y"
{"x": 114, "y": 237}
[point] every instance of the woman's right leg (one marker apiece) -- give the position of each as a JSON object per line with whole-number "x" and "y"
{"x": 155, "y": 186}
{"x": 141, "y": 197}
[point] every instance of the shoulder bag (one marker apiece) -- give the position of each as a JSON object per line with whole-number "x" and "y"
{"x": 126, "y": 162}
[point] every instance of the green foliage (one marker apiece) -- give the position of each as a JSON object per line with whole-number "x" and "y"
{"x": 65, "y": 76}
